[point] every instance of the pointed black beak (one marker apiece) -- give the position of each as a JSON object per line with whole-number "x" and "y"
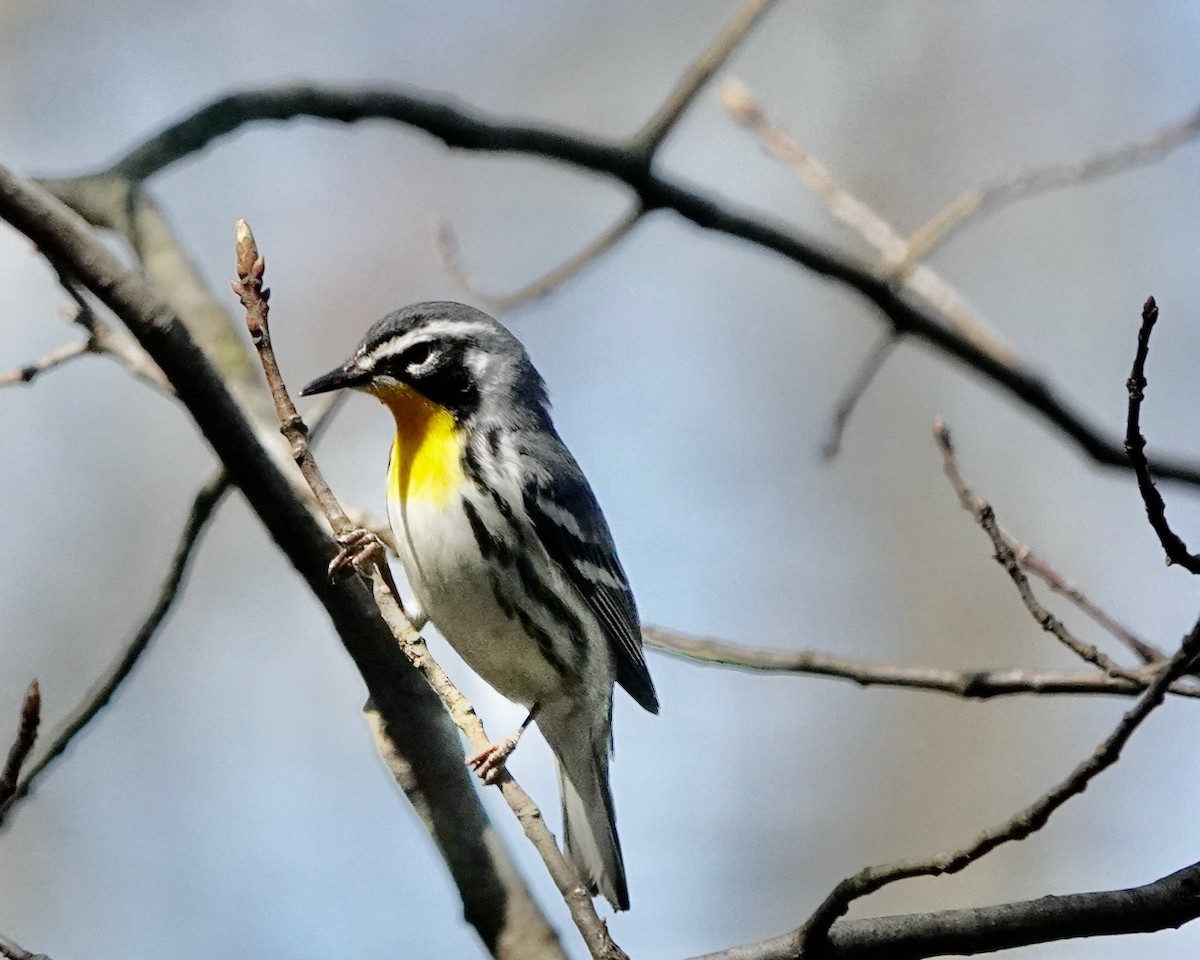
{"x": 348, "y": 375}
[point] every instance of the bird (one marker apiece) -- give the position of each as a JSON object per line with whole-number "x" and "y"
{"x": 507, "y": 552}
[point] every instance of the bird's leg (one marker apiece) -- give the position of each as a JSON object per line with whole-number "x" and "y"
{"x": 358, "y": 549}
{"x": 489, "y": 762}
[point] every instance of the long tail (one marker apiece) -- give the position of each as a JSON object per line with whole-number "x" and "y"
{"x": 589, "y": 824}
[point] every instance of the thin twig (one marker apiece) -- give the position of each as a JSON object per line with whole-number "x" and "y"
{"x": 1023, "y": 823}
{"x": 101, "y": 694}
{"x": 107, "y": 341}
{"x": 974, "y": 203}
{"x": 447, "y": 244}
{"x": 858, "y": 386}
{"x": 1040, "y": 568}
{"x": 55, "y": 358}
{"x": 965, "y": 684}
{"x": 692, "y": 82}
{"x": 27, "y": 730}
{"x": 876, "y": 232}
{"x": 1135, "y": 446}
{"x": 249, "y": 288}
{"x": 1006, "y": 556}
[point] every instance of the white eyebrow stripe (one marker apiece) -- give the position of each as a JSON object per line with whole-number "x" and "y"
{"x": 435, "y": 330}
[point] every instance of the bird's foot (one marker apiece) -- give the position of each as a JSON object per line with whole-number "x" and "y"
{"x": 359, "y": 549}
{"x": 489, "y": 762}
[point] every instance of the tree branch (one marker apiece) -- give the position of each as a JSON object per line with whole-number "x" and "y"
{"x": 966, "y": 684}
{"x": 974, "y": 203}
{"x": 1006, "y": 556}
{"x": 35, "y": 368}
{"x": 27, "y": 731}
{"x": 461, "y": 129}
{"x": 876, "y": 232}
{"x": 858, "y": 386}
{"x": 206, "y": 501}
{"x": 1017, "y": 827}
{"x": 659, "y": 126}
{"x": 503, "y": 302}
{"x": 1165, "y": 904}
{"x": 1135, "y": 445}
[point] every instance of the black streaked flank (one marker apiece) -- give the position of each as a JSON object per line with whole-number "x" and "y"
{"x": 494, "y": 437}
{"x": 489, "y": 544}
{"x": 551, "y": 602}
{"x": 545, "y": 644}
{"x": 473, "y": 468}
{"x": 613, "y": 607}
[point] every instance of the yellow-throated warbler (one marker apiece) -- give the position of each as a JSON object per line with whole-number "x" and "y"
{"x": 506, "y": 550}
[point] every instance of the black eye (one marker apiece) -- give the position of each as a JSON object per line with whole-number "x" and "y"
{"x": 417, "y": 354}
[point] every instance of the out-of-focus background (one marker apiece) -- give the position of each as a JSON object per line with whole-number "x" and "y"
{"x": 230, "y": 803}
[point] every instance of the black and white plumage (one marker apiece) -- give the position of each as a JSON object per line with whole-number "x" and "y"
{"x": 506, "y": 549}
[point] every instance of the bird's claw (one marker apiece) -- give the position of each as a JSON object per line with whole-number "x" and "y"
{"x": 489, "y": 762}
{"x": 358, "y": 550}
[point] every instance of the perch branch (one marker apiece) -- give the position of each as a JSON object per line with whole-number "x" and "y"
{"x": 12, "y": 951}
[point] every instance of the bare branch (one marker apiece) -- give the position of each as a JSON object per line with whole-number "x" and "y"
{"x": 852, "y": 212}
{"x": 646, "y": 141}
{"x": 1040, "y": 568}
{"x": 55, "y": 358}
{"x": 1006, "y": 556}
{"x": 974, "y": 203}
{"x": 967, "y": 684}
{"x": 447, "y": 245}
{"x": 27, "y": 730}
{"x": 1023, "y": 823}
{"x": 699, "y": 73}
{"x": 463, "y": 130}
{"x": 101, "y": 339}
{"x": 254, "y": 297}
{"x": 1135, "y": 445}
{"x": 102, "y": 693}
{"x": 1165, "y": 904}
{"x": 858, "y": 386}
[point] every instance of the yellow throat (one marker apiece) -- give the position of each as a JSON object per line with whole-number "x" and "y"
{"x": 426, "y": 460}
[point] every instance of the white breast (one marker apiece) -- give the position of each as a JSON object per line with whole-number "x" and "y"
{"x": 456, "y": 587}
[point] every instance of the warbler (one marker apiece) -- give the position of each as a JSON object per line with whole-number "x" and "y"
{"x": 506, "y": 550}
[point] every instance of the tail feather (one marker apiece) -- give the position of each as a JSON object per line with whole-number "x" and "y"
{"x": 589, "y": 823}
